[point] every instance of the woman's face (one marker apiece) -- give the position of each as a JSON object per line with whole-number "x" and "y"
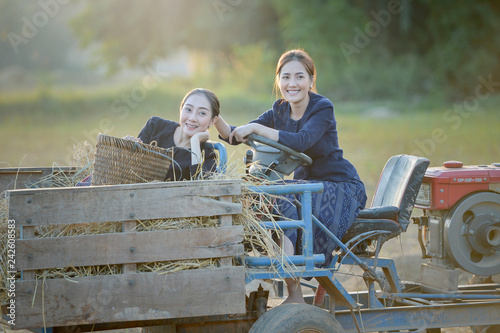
{"x": 294, "y": 82}
{"x": 196, "y": 115}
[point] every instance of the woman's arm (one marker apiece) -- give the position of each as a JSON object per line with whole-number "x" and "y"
{"x": 196, "y": 141}
{"x": 222, "y": 127}
{"x": 313, "y": 129}
{"x": 240, "y": 133}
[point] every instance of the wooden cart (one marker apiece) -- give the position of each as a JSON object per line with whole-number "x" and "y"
{"x": 129, "y": 298}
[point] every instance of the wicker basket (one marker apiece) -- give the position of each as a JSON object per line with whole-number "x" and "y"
{"x": 119, "y": 161}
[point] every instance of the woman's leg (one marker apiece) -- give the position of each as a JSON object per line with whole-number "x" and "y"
{"x": 292, "y": 285}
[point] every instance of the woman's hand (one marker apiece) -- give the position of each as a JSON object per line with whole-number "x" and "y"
{"x": 240, "y": 133}
{"x": 200, "y": 137}
{"x": 131, "y": 138}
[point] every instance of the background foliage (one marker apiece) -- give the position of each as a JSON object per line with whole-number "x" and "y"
{"x": 380, "y": 61}
{"x": 364, "y": 49}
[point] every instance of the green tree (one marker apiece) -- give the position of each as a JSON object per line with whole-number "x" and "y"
{"x": 386, "y": 48}
{"x": 137, "y": 33}
{"x": 364, "y": 49}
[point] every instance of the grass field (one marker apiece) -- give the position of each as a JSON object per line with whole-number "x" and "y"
{"x": 41, "y": 129}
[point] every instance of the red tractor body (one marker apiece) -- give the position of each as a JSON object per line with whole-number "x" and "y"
{"x": 461, "y": 221}
{"x": 444, "y": 186}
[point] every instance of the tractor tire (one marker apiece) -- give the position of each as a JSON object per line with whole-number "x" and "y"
{"x": 296, "y": 318}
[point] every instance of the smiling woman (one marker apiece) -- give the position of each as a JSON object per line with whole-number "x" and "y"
{"x": 304, "y": 121}
{"x": 199, "y": 110}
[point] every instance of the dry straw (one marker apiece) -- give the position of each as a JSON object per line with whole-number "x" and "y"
{"x": 255, "y": 207}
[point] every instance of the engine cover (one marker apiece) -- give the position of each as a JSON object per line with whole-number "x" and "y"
{"x": 453, "y": 181}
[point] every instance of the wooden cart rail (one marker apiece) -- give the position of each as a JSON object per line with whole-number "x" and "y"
{"x": 23, "y": 177}
{"x": 130, "y": 295}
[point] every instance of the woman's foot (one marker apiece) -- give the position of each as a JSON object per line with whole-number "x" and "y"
{"x": 294, "y": 292}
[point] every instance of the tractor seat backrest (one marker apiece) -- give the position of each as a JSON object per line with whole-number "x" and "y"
{"x": 399, "y": 184}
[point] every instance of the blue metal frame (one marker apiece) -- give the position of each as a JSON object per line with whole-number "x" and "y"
{"x": 222, "y": 166}
{"x": 385, "y": 317}
{"x": 308, "y": 259}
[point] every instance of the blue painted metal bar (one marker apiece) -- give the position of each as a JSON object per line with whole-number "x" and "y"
{"x": 348, "y": 252}
{"x": 287, "y": 189}
{"x": 443, "y": 296}
{"x": 260, "y": 274}
{"x": 382, "y": 262}
{"x": 307, "y": 237}
{"x": 373, "y": 301}
{"x": 295, "y": 260}
{"x": 284, "y": 224}
{"x": 338, "y": 242}
{"x": 388, "y": 267}
{"x": 308, "y": 258}
{"x": 222, "y": 167}
{"x": 420, "y": 317}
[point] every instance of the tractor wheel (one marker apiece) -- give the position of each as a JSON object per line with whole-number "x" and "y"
{"x": 296, "y": 318}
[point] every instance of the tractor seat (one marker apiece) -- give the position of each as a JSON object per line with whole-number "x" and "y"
{"x": 393, "y": 200}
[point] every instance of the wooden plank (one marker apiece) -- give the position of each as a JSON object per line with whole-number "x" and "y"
{"x": 226, "y": 220}
{"x": 27, "y": 233}
{"x": 20, "y": 178}
{"x": 122, "y": 202}
{"x": 129, "y": 247}
{"x": 128, "y": 226}
{"x": 130, "y": 297}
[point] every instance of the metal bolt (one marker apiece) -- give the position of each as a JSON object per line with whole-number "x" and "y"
{"x": 131, "y": 282}
{"x": 228, "y": 209}
{"x": 132, "y": 195}
{"x": 29, "y": 256}
{"x": 29, "y": 291}
{"x": 441, "y": 201}
{"x": 228, "y": 190}
{"x": 28, "y": 221}
{"x": 227, "y": 277}
{"x": 29, "y": 200}
{"x": 132, "y": 249}
{"x": 441, "y": 190}
{"x": 132, "y": 215}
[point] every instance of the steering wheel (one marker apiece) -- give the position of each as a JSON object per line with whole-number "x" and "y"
{"x": 303, "y": 158}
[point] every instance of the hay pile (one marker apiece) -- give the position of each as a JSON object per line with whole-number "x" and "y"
{"x": 257, "y": 240}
